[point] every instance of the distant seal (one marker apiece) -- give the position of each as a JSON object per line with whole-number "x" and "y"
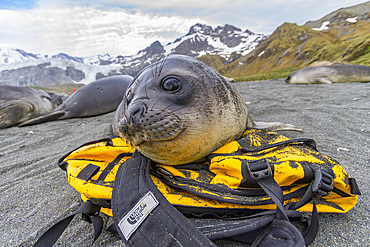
{"x": 178, "y": 110}
{"x": 98, "y": 97}
{"x": 18, "y": 104}
{"x": 330, "y": 74}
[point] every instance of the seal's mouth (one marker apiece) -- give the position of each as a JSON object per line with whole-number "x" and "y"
{"x": 172, "y": 138}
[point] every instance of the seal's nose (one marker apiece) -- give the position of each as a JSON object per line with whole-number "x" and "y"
{"x": 134, "y": 113}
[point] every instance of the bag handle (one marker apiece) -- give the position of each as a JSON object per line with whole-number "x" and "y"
{"x": 88, "y": 210}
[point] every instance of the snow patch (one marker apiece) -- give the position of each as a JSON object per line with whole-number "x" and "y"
{"x": 352, "y": 20}
{"x": 89, "y": 70}
{"x": 324, "y": 26}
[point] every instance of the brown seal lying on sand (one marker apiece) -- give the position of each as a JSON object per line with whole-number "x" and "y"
{"x": 330, "y": 74}
{"x": 178, "y": 110}
{"x": 19, "y": 104}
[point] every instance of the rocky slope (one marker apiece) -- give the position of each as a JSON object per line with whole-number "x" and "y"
{"x": 341, "y": 36}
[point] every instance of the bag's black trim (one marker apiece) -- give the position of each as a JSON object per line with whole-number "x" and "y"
{"x": 298, "y": 141}
{"x": 215, "y": 213}
{"x": 108, "y": 142}
{"x": 111, "y": 165}
{"x": 354, "y": 187}
{"x": 88, "y": 172}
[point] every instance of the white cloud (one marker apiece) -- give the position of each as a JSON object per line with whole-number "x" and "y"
{"x": 86, "y": 31}
{"x": 90, "y": 27}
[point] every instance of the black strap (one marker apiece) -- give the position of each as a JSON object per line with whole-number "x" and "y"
{"x": 261, "y": 172}
{"x": 88, "y": 209}
{"x": 88, "y": 172}
{"x": 162, "y": 225}
{"x": 111, "y": 165}
{"x": 280, "y": 233}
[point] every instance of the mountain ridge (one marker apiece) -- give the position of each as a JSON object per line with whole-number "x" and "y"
{"x": 18, "y": 67}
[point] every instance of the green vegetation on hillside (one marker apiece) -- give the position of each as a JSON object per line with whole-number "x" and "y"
{"x": 280, "y": 73}
{"x": 291, "y": 47}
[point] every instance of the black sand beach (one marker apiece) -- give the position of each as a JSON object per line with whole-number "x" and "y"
{"x": 35, "y": 192}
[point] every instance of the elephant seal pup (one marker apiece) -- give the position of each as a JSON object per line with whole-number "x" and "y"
{"x": 330, "y": 74}
{"x": 178, "y": 110}
{"x": 96, "y": 98}
{"x": 18, "y": 104}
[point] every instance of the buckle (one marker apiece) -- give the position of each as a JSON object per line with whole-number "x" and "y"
{"x": 323, "y": 183}
{"x": 259, "y": 169}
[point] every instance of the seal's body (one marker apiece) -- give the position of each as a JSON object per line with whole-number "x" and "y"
{"x": 179, "y": 110}
{"x": 18, "y": 104}
{"x": 330, "y": 74}
{"x": 98, "y": 97}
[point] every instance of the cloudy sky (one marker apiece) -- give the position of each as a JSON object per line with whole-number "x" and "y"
{"x": 123, "y": 27}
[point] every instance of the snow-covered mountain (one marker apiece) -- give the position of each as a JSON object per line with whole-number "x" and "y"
{"x": 18, "y": 67}
{"x": 204, "y": 40}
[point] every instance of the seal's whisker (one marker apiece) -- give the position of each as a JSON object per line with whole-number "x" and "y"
{"x": 164, "y": 59}
{"x": 152, "y": 70}
{"x": 166, "y": 108}
{"x": 179, "y": 108}
{"x": 145, "y": 89}
{"x": 156, "y": 69}
{"x": 165, "y": 146}
{"x": 152, "y": 108}
{"x": 175, "y": 143}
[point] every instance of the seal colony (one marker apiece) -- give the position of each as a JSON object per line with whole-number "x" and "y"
{"x": 330, "y": 74}
{"x": 98, "y": 97}
{"x": 19, "y": 104}
{"x": 178, "y": 110}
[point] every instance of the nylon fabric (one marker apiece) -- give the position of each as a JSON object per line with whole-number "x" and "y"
{"x": 221, "y": 183}
{"x": 250, "y": 187}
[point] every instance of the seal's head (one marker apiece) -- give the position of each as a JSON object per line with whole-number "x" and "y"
{"x": 178, "y": 110}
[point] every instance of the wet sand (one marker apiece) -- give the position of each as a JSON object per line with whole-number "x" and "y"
{"x": 35, "y": 192}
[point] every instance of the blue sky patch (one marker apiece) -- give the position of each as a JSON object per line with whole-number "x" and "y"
{"x": 17, "y": 4}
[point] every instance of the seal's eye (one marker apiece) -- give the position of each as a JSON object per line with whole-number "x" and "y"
{"x": 171, "y": 84}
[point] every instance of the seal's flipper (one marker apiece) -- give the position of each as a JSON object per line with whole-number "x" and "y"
{"x": 13, "y": 112}
{"x": 275, "y": 126}
{"x": 45, "y": 118}
{"x": 322, "y": 80}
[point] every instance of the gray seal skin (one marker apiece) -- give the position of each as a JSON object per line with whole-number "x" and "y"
{"x": 178, "y": 110}
{"x": 330, "y": 74}
{"x": 96, "y": 98}
{"x": 18, "y": 104}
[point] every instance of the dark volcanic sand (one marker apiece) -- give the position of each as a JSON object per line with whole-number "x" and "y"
{"x": 35, "y": 193}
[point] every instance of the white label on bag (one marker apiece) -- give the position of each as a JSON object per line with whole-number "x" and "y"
{"x": 137, "y": 215}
